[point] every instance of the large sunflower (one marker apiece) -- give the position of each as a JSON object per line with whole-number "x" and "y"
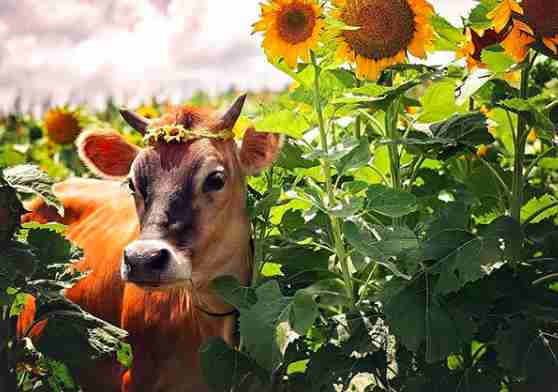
{"x": 526, "y": 23}
{"x": 385, "y": 31}
{"x": 291, "y": 28}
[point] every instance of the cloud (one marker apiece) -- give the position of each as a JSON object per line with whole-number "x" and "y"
{"x": 87, "y": 49}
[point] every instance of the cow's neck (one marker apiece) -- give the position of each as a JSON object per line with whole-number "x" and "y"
{"x": 167, "y": 328}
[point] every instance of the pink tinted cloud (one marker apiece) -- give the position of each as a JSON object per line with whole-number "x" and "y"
{"x": 88, "y": 49}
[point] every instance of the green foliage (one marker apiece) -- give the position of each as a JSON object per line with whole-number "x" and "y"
{"x": 406, "y": 234}
{"x": 35, "y": 260}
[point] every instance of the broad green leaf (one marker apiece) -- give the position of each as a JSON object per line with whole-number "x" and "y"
{"x": 259, "y": 325}
{"x": 417, "y": 318}
{"x": 233, "y": 292}
{"x": 497, "y": 61}
{"x": 389, "y": 202}
{"x": 357, "y": 157}
{"x": 382, "y": 245}
{"x": 447, "y": 37}
{"x": 548, "y": 163}
{"x": 476, "y": 79}
{"x": 304, "y": 311}
{"x": 531, "y": 111}
{"x": 85, "y": 337}
{"x": 30, "y": 179}
{"x": 438, "y": 102}
{"x": 267, "y": 202}
{"x": 284, "y": 122}
{"x": 11, "y": 210}
{"x": 463, "y": 257}
{"x": 545, "y": 207}
{"x": 477, "y": 17}
{"x": 223, "y": 367}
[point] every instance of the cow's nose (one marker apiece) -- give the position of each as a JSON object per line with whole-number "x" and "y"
{"x": 143, "y": 258}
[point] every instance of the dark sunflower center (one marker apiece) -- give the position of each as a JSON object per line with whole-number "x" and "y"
{"x": 542, "y": 16}
{"x": 386, "y": 27}
{"x": 296, "y": 22}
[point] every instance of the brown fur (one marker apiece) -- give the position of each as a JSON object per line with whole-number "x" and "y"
{"x": 166, "y": 326}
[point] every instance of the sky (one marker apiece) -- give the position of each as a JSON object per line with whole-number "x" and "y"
{"x": 85, "y": 50}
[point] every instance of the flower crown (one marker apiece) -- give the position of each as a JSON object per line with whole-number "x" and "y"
{"x": 177, "y": 133}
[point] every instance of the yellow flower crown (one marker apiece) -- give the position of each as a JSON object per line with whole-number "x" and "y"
{"x": 179, "y": 134}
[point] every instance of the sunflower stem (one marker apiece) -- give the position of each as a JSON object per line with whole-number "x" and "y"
{"x": 392, "y": 116}
{"x": 335, "y": 224}
{"x": 520, "y": 140}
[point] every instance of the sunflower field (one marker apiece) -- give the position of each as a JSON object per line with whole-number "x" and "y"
{"x": 406, "y": 238}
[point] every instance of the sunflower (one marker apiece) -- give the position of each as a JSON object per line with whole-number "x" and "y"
{"x": 291, "y": 28}
{"x": 526, "y": 23}
{"x": 62, "y": 125}
{"x": 386, "y": 30}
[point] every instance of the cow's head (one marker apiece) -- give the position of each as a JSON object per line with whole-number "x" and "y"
{"x": 189, "y": 195}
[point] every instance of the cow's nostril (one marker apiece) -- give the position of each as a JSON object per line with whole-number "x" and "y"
{"x": 160, "y": 259}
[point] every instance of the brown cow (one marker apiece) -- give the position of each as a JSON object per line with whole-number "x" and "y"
{"x": 154, "y": 248}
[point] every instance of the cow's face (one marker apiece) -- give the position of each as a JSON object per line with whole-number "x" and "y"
{"x": 190, "y": 197}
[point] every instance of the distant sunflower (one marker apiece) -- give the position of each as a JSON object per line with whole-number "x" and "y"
{"x": 526, "y": 23}
{"x": 62, "y": 125}
{"x": 291, "y": 29}
{"x": 387, "y": 30}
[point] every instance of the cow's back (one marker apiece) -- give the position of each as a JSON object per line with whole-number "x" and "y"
{"x": 101, "y": 219}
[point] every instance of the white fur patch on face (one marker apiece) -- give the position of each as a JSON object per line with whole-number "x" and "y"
{"x": 135, "y": 265}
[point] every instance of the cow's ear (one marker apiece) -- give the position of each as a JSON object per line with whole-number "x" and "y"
{"x": 258, "y": 150}
{"x": 106, "y": 153}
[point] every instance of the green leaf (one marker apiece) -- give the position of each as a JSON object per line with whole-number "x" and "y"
{"x": 463, "y": 257}
{"x": 477, "y": 17}
{"x": 497, "y": 61}
{"x": 85, "y": 336}
{"x": 259, "y": 325}
{"x": 447, "y": 36}
{"x": 224, "y": 367}
{"x": 284, "y": 122}
{"x": 233, "y": 292}
{"x": 438, "y": 102}
{"x": 357, "y": 157}
{"x": 538, "y": 204}
{"x": 304, "y": 311}
{"x": 474, "y": 82}
{"x": 267, "y": 202}
{"x": 30, "y": 179}
{"x": 382, "y": 245}
{"x": 417, "y": 318}
{"x": 389, "y": 202}
{"x": 530, "y": 110}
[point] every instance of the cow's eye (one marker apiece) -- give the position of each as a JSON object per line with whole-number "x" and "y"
{"x": 214, "y": 182}
{"x": 131, "y": 185}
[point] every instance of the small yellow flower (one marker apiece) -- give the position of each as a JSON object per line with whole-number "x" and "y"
{"x": 482, "y": 151}
{"x": 525, "y": 23}
{"x": 532, "y": 136}
{"x": 291, "y": 28}
{"x": 62, "y": 125}
{"x": 387, "y": 31}
{"x": 148, "y": 112}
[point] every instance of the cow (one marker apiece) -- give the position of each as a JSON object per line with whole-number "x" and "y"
{"x": 154, "y": 244}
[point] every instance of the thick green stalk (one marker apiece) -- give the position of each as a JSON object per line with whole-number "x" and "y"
{"x": 392, "y": 116}
{"x": 335, "y": 224}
